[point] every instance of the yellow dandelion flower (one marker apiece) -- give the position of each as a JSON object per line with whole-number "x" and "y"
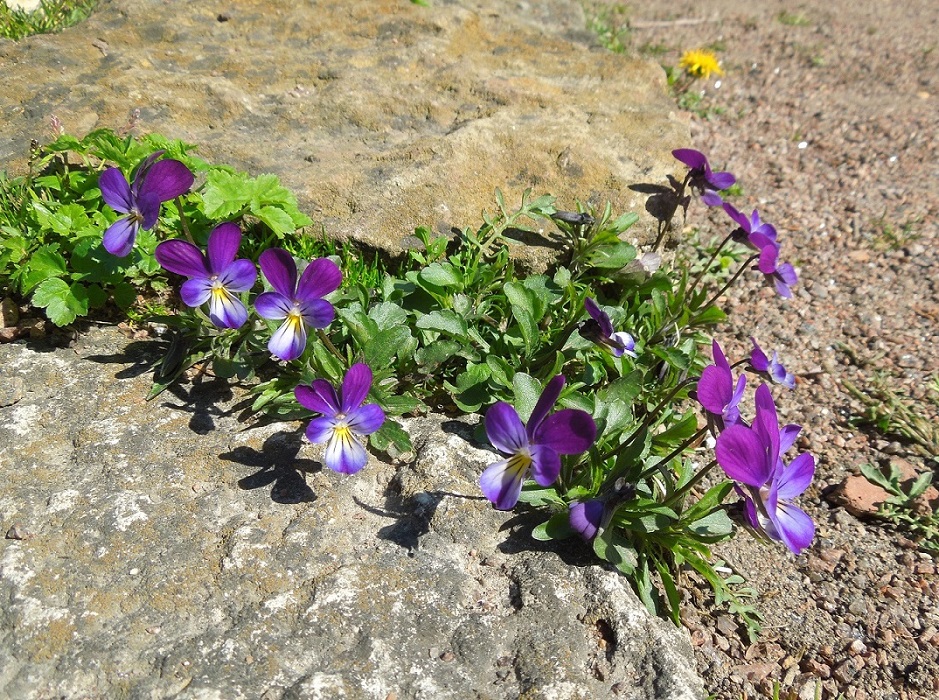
{"x": 700, "y": 64}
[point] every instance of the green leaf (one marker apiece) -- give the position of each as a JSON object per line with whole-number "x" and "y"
{"x": 527, "y": 391}
{"x": 381, "y": 349}
{"x": 62, "y": 303}
{"x": 125, "y": 294}
{"x": 441, "y": 275}
{"x": 671, "y": 590}
{"x": 612, "y": 257}
{"x": 391, "y": 438}
{"x": 225, "y": 194}
{"x": 444, "y": 321}
{"x": 682, "y": 430}
{"x": 276, "y": 219}
{"x": 436, "y": 353}
{"x": 539, "y": 497}
{"x": 46, "y": 262}
{"x": 526, "y": 312}
{"x": 388, "y": 315}
{"x": 713, "y": 527}
{"x": 712, "y": 499}
{"x": 610, "y": 546}
{"x": 557, "y": 527}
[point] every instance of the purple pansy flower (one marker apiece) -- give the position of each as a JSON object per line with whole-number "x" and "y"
{"x": 300, "y": 303}
{"x": 536, "y": 448}
{"x": 716, "y": 391}
{"x": 154, "y": 182}
{"x": 782, "y": 275}
{"x": 600, "y": 331}
{"x": 344, "y": 421}
{"x": 586, "y": 517}
{"x": 772, "y": 368}
{"x": 215, "y": 279}
{"x": 751, "y": 456}
{"x": 701, "y": 178}
{"x": 757, "y": 233}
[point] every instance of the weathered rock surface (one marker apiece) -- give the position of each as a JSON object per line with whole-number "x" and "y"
{"x": 380, "y": 115}
{"x": 164, "y": 549}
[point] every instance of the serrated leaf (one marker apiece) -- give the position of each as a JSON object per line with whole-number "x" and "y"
{"x": 225, "y": 194}
{"x": 388, "y": 315}
{"x": 43, "y": 264}
{"x": 62, "y": 303}
{"x": 276, "y": 219}
{"x": 381, "y": 349}
{"x": 391, "y": 435}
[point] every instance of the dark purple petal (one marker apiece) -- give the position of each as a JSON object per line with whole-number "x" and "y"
{"x": 793, "y": 480}
{"x": 731, "y": 412}
{"x": 718, "y": 354}
{"x": 545, "y": 465}
{"x": 317, "y": 313}
{"x": 115, "y": 190}
{"x": 602, "y": 319}
{"x": 149, "y": 207}
{"x": 767, "y": 422}
{"x": 715, "y": 389}
{"x": 711, "y": 198}
{"x": 690, "y": 157}
{"x": 320, "y": 429}
{"x": 166, "y": 180}
{"x": 272, "y": 305}
{"x": 794, "y": 526}
{"x": 758, "y": 358}
{"x": 119, "y": 238}
{"x": 344, "y": 453}
{"x": 319, "y": 397}
{"x": 501, "y": 483}
{"x": 226, "y": 310}
{"x": 743, "y": 457}
{"x": 239, "y": 276}
{"x": 182, "y": 258}
{"x": 586, "y": 517}
{"x": 567, "y": 432}
{"x": 721, "y": 180}
{"x": 195, "y": 292}
{"x": 355, "y": 386}
{"x": 505, "y": 429}
{"x": 769, "y": 256}
{"x": 545, "y": 403}
{"x": 224, "y": 242}
{"x": 366, "y": 419}
{"x": 787, "y": 436}
{"x": 280, "y": 270}
{"x": 739, "y": 217}
{"x": 762, "y": 240}
{"x": 289, "y": 341}
{"x": 320, "y": 278}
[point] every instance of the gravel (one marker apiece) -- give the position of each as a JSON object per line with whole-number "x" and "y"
{"x": 828, "y": 116}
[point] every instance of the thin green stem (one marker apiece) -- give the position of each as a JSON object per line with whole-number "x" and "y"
{"x": 707, "y": 265}
{"x": 329, "y": 345}
{"x": 694, "y": 481}
{"x": 731, "y": 280}
{"x": 659, "y": 466}
{"x": 182, "y": 220}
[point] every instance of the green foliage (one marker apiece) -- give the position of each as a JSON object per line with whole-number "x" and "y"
{"x": 51, "y": 16}
{"x": 903, "y": 508}
{"x": 52, "y": 221}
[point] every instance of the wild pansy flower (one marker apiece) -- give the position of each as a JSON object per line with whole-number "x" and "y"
{"x": 782, "y": 275}
{"x": 600, "y": 331}
{"x": 772, "y": 368}
{"x": 586, "y": 517}
{"x": 154, "y": 182}
{"x": 701, "y": 178}
{"x": 536, "y": 447}
{"x": 716, "y": 391}
{"x": 755, "y": 233}
{"x": 215, "y": 279}
{"x": 345, "y": 421}
{"x": 301, "y": 303}
{"x": 751, "y": 456}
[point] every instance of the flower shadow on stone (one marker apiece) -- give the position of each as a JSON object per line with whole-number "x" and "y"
{"x": 277, "y": 466}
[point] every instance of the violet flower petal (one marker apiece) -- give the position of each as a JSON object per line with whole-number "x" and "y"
{"x": 225, "y": 309}
{"x": 743, "y": 456}
{"x": 166, "y": 180}
{"x": 182, "y": 258}
{"x": 289, "y": 341}
{"x": 366, "y": 419}
{"x": 320, "y": 429}
{"x": 793, "y": 480}
{"x": 549, "y": 397}
{"x": 721, "y": 180}
{"x": 280, "y": 270}
{"x": 787, "y": 436}
{"x": 344, "y": 453}
{"x": 115, "y": 191}
{"x": 585, "y": 517}
{"x": 715, "y": 389}
{"x": 272, "y": 305}
{"x": 355, "y": 386}
{"x": 545, "y": 465}
{"x": 239, "y": 276}
{"x": 690, "y": 157}
{"x": 320, "y": 278}
{"x": 319, "y": 397}
{"x": 505, "y": 429}
{"x": 567, "y": 432}
{"x": 501, "y": 482}
{"x": 119, "y": 238}
{"x": 224, "y": 242}
{"x": 317, "y": 313}
{"x": 195, "y": 292}
{"x": 794, "y": 526}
